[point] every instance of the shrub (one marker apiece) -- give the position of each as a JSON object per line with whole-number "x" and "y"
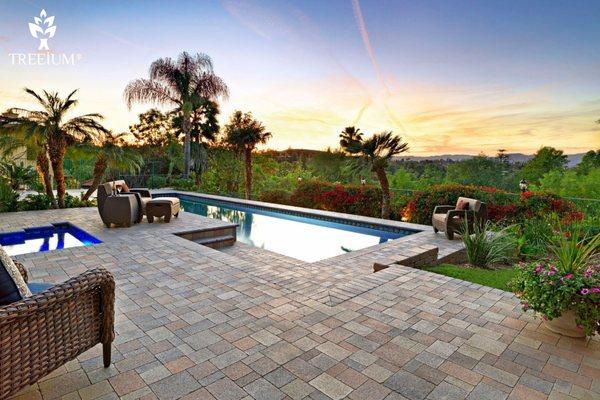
{"x": 502, "y": 206}
{"x": 156, "y": 182}
{"x": 486, "y": 247}
{"x": 184, "y": 184}
{"x": 41, "y": 201}
{"x": 276, "y": 196}
{"x": 75, "y": 202}
{"x": 534, "y": 236}
{"x": 352, "y": 199}
{"x": 572, "y": 249}
{"x": 8, "y": 198}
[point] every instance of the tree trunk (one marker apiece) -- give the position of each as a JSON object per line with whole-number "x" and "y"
{"x": 385, "y": 193}
{"x": 99, "y": 169}
{"x": 57, "y": 148}
{"x": 43, "y": 168}
{"x": 248, "y": 156}
{"x": 185, "y": 126}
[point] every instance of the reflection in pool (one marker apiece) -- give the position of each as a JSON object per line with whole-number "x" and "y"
{"x": 304, "y": 238}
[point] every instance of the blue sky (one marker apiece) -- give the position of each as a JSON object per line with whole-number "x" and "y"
{"x": 450, "y": 76}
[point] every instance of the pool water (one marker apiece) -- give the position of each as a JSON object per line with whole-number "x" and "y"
{"x": 304, "y": 238}
{"x": 57, "y": 236}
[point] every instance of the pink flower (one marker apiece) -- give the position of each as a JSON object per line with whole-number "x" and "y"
{"x": 539, "y": 268}
{"x": 568, "y": 276}
{"x": 585, "y": 291}
{"x": 525, "y": 306}
{"x": 588, "y": 273}
{"x": 596, "y": 290}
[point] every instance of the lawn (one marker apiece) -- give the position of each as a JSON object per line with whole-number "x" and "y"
{"x": 496, "y": 278}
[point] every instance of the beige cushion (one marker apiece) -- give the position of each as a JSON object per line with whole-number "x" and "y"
{"x": 144, "y": 201}
{"x": 14, "y": 273}
{"x": 162, "y": 200}
{"x": 474, "y": 204}
{"x": 439, "y": 217}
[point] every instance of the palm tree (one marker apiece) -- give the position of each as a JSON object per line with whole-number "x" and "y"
{"x": 374, "y": 152}
{"x": 16, "y": 175}
{"x": 19, "y": 135}
{"x": 111, "y": 156}
{"x": 183, "y": 84}
{"x": 349, "y": 135}
{"x": 57, "y": 133}
{"x": 244, "y": 133}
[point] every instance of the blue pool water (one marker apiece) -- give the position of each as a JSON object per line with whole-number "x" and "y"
{"x": 300, "y": 237}
{"x": 45, "y": 238}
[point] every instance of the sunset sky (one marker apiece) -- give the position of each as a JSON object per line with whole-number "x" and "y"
{"x": 449, "y": 76}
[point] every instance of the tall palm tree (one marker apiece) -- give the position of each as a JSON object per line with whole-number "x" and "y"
{"x": 17, "y": 135}
{"x": 374, "y": 152}
{"x": 182, "y": 84}
{"x": 111, "y": 156}
{"x": 54, "y": 130}
{"x": 244, "y": 133}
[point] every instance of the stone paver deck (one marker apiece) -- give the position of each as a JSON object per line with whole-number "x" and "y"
{"x": 197, "y": 323}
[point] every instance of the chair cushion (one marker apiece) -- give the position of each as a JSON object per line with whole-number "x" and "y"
{"x": 439, "y": 217}
{"x": 38, "y": 287}
{"x": 462, "y": 204}
{"x": 165, "y": 200}
{"x": 12, "y": 285}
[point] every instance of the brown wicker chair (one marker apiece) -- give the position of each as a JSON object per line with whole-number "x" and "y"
{"x": 451, "y": 219}
{"x": 42, "y": 332}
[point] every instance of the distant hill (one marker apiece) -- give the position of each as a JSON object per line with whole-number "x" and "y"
{"x": 574, "y": 159}
{"x": 293, "y": 154}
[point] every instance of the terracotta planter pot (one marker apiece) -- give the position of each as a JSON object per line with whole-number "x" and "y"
{"x": 565, "y": 325}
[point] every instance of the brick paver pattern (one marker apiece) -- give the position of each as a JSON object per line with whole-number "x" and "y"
{"x": 243, "y": 323}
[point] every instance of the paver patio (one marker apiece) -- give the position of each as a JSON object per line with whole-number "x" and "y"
{"x": 197, "y": 323}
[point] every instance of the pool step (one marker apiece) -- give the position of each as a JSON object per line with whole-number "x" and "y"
{"x": 214, "y": 238}
{"x": 217, "y": 242}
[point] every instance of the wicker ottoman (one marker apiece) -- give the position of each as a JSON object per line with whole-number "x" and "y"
{"x": 162, "y": 207}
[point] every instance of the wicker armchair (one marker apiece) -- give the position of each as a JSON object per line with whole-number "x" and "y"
{"x": 42, "y": 332}
{"x": 451, "y": 219}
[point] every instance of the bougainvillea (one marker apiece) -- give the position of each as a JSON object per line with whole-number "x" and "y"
{"x": 502, "y": 206}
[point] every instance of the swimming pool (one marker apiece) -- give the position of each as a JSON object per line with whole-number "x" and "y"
{"x": 57, "y": 236}
{"x": 299, "y": 236}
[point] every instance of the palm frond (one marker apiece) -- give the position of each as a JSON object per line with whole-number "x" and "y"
{"x": 149, "y": 91}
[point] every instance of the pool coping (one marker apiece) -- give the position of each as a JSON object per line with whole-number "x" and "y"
{"x": 343, "y": 218}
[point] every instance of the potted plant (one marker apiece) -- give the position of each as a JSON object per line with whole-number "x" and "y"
{"x": 565, "y": 288}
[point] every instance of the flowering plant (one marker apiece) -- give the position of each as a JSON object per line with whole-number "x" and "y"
{"x": 542, "y": 287}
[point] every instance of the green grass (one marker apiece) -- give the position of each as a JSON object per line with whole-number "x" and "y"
{"x": 497, "y": 278}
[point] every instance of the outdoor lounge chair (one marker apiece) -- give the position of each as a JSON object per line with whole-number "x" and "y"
{"x": 54, "y": 325}
{"x": 126, "y": 208}
{"x": 451, "y": 219}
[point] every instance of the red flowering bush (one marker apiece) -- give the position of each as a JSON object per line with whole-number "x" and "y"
{"x": 502, "y": 206}
{"x": 351, "y": 199}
